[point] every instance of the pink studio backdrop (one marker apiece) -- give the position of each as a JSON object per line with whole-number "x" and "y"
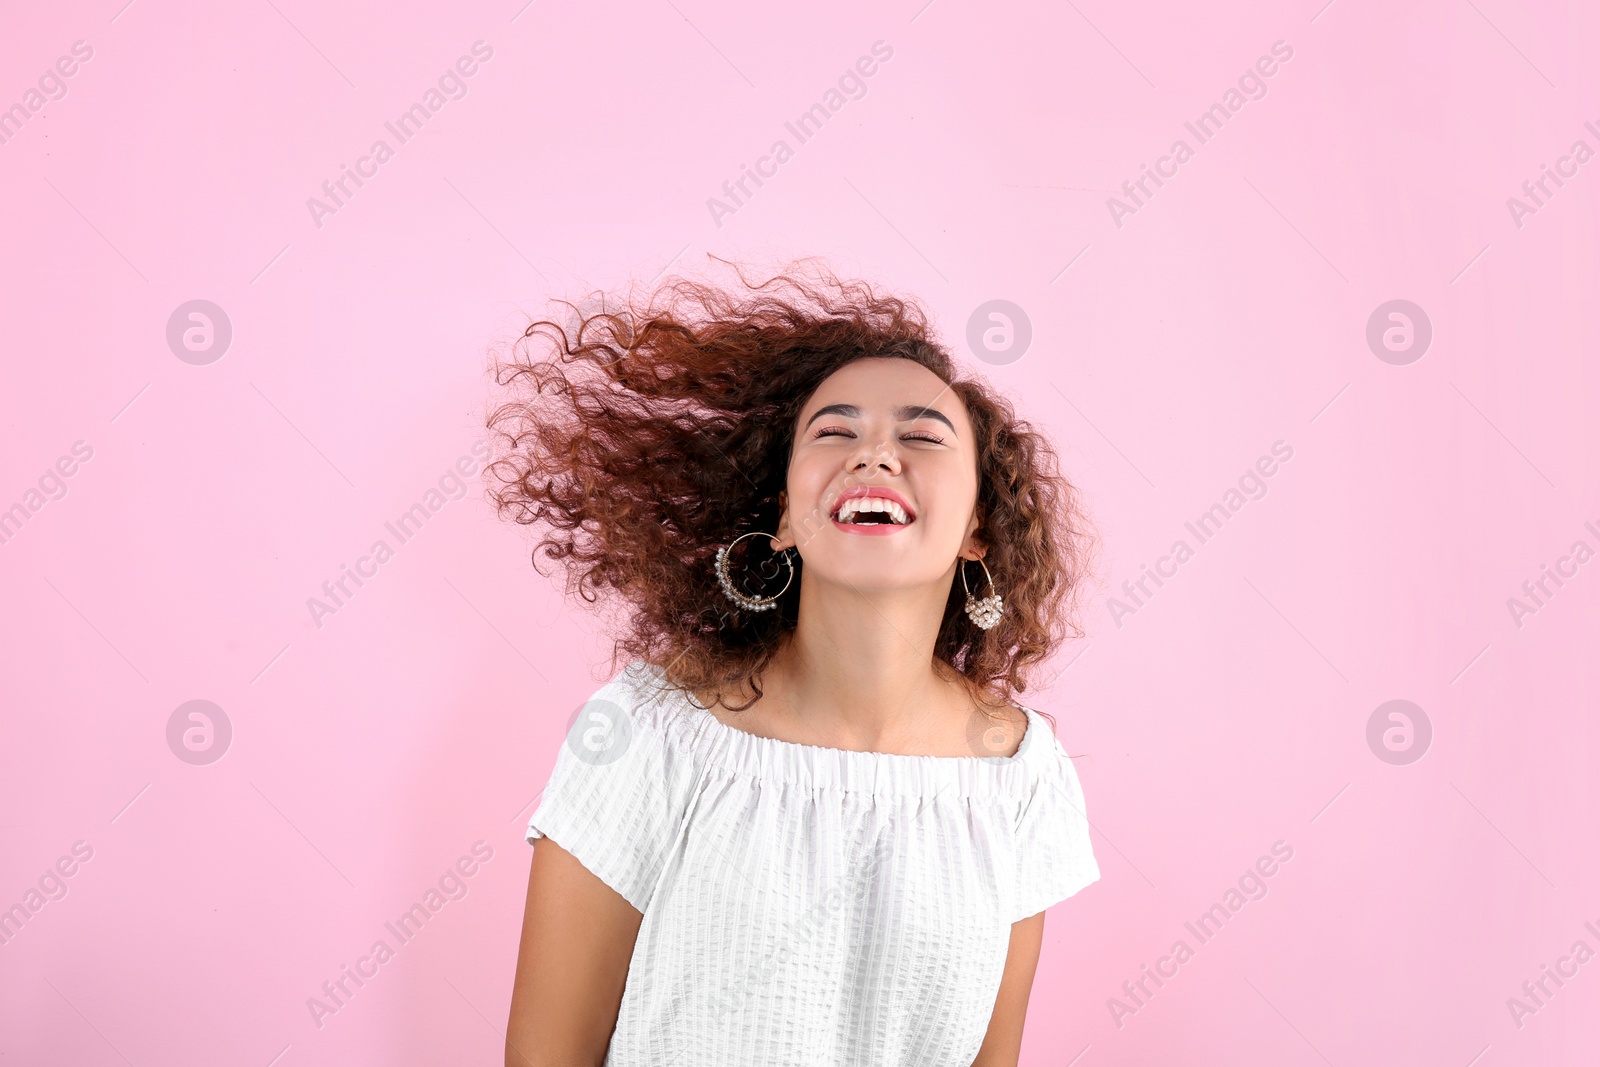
{"x": 176, "y": 502}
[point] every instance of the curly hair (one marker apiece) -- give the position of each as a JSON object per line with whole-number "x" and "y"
{"x": 651, "y": 435}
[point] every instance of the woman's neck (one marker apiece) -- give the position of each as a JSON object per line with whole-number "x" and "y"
{"x": 858, "y": 672}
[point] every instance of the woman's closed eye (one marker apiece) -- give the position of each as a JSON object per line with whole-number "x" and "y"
{"x": 916, "y": 435}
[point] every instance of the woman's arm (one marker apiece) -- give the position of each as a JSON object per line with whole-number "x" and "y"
{"x": 1003, "y": 1043}
{"x": 577, "y": 939}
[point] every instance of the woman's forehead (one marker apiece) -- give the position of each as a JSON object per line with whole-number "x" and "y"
{"x": 886, "y": 384}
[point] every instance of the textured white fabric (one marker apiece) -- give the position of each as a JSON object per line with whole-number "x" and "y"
{"x": 804, "y": 905}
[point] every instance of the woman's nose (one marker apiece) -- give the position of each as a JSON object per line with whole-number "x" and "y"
{"x": 877, "y": 454}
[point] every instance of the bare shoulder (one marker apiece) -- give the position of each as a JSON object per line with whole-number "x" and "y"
{"x": 996, "y": 730}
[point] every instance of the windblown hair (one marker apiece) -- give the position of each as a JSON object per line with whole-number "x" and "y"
{"x": 642, "y": 438}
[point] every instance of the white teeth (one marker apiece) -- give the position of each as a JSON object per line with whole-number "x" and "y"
{"x": 856, "y": 505}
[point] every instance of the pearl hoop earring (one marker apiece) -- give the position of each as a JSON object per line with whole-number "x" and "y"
{"x": 984, "y": 613}
{"x": 750, "y": 603}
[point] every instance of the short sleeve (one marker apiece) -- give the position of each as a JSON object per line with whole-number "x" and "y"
{"x": 610, "y": 797}
{"x": 1055, "y": 858}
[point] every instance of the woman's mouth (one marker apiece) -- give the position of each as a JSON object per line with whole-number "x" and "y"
{"x": 872, "y": 514}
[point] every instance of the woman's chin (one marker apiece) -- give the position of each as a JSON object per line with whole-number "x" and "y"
{"x": 871, "y": 573}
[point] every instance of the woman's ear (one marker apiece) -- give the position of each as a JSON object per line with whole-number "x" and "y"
{"x": 972, "y": 546}
{"x": 784, "y": 538}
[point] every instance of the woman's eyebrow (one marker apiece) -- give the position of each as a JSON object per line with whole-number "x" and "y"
{"x": 905, "y": 413}
{"x": 912, "y": 412}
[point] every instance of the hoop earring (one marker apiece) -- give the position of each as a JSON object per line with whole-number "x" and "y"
{"x": 749, "y": 603}
{"x": 985, "y": 613}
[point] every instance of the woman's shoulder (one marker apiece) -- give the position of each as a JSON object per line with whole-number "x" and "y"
{"x": 998, "y": 731}
{"x": 1041, "y": 750}
{"x": 642, "y": 694}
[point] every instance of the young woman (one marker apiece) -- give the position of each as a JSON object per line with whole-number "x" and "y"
{"x": 805, "y": 824}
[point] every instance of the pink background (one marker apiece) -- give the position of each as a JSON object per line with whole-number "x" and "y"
{"x": 1169, "y": 353}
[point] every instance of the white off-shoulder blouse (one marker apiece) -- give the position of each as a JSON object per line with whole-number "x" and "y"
{"x": 807, "y": 906}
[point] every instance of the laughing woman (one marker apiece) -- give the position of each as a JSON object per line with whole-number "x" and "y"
{"x": 805, "y": 823}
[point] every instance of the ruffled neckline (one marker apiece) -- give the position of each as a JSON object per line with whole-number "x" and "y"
{"x": 740, "y": 752}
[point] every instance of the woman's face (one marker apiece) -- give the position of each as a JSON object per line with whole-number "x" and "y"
{"x": 891, "y": 429}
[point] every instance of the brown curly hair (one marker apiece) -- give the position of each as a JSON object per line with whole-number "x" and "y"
{"x": 655, "y": 434}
